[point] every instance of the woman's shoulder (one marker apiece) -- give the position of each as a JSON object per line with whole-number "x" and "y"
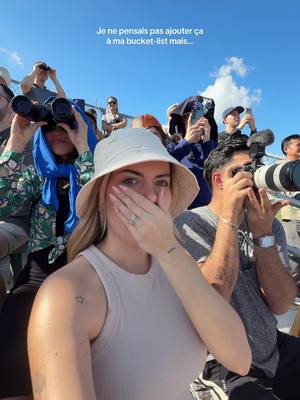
{"x": 76, "y": 292}
{"x": 79, "y": 273}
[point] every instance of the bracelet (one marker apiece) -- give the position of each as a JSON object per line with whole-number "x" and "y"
{"x": 226, "y": 221}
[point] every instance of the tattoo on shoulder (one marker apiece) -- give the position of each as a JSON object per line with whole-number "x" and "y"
{"x": 80, "y": 299}
{"x": 171, "y": 249}
{"x": 39, "y": 387}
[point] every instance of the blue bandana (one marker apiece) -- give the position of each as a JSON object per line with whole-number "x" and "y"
{"x": 49, "y": 169}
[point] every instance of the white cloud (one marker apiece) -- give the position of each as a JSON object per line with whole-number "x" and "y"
{"x": 13, "y": 56}
{"x": 225, "y": 90}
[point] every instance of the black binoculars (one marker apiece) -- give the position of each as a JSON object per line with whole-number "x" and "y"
{"x": 44, "y": 67}
{"x": 57, "y": 110}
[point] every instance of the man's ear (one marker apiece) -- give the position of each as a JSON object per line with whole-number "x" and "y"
{"x": 217, "y": 180}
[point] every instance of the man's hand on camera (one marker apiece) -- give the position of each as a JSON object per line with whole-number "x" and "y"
{"x": 235, "y": 190}
{"x": 261, "y": 212}
{"x": 78, "y": 136}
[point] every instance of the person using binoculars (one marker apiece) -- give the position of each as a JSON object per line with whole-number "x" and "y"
{"x": 63, "y": 163}
{"x": 33, "y": 85}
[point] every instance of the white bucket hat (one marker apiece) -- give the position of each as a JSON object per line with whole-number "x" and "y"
{"x": 131, "y": 146}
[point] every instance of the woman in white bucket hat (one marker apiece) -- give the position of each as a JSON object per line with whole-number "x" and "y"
{"x": 130, "y": 317}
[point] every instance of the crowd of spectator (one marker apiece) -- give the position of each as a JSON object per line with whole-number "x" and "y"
{"x": 89, "y": 204}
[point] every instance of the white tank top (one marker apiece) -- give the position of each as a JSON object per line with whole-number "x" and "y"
{"x": 147, "y": 349}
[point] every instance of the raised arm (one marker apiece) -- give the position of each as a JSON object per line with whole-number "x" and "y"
{"x": 59, "y": 90}
{"x": 221, "y": 265}
{"x": 17, "y": 185}
{"x": 277, "y": 284}
{"x": 65, "y": 318}
{"x": 28, "y": 80}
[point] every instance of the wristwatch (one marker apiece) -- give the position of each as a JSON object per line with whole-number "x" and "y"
{"x": 265, "y": 241}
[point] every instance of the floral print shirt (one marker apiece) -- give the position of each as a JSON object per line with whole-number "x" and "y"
{"x": 23, "y": 185}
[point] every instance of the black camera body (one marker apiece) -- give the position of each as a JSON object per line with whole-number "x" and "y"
{"x": 56, "y": 110}
{"x": 249, "y": 167}
{"x": 279, "y": 177}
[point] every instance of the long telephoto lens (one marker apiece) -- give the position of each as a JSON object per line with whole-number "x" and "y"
{"x": 62, "y": 110}
{"x": 33, "y": 112}
{"x": 281, "y": 177}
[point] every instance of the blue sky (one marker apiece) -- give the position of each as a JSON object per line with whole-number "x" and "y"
{"x": 248, "y": 53}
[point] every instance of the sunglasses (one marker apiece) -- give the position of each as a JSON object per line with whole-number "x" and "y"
{"x": 112, "y": 102}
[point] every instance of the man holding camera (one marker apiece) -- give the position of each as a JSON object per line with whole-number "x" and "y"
{"x": 290, "y": 216}
{"x": 33, "y": 85}
{"x": 241, "y": 250}
{"x": 234, "y": 124}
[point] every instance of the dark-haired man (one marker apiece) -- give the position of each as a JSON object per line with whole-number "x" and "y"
{"x": 290, "y": 216}
{"x": 290, "y": 147}
{"x": 234, "y": 124}
{"x": 33, "y": 85}
{"x": 241, "y": 250}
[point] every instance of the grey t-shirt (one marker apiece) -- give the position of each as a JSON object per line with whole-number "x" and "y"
{"x": 196, "y": 229}
{"x": 39, "y": 94}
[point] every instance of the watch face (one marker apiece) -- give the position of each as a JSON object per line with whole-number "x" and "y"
{"x": 267, "y": 241}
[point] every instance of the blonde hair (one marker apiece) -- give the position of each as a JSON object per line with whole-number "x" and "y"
{"x": 92, "y": 225}
{"x": 137, "y": 122}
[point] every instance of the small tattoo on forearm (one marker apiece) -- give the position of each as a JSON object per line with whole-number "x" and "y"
{"x": 39, "y": 385}
{"x": 171, "y": 249}
{"x": 80, "y": 299}
{"x": 220, "y": 274}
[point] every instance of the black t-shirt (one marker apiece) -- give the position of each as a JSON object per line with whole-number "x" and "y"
{"x": 237, "y": 133}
